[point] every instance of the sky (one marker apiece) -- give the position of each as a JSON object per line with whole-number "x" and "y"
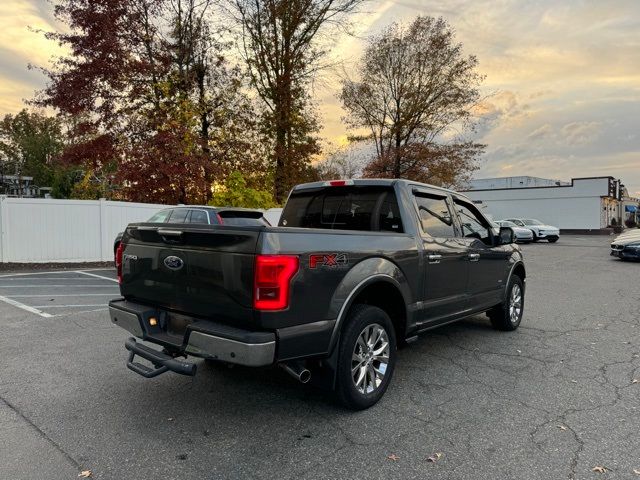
{"x": 562, "y": 86}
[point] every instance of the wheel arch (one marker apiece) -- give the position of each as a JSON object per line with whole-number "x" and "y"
{"x": 378, "y": 282}
{"x": 519, "y": 270}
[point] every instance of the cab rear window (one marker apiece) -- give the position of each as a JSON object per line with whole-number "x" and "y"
{"x": 344, "y": 208}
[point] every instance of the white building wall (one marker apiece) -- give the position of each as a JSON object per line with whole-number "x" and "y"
{"x": 577, "y": 206}
{"x": 47, "y": 230}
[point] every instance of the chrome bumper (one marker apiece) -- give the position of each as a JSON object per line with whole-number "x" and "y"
{"x": 203, "y": 344}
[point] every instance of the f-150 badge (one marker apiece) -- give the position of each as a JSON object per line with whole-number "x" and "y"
{"x": 330, "y": 260}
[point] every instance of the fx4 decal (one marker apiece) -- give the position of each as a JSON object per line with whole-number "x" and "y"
{"x": 330, "y": 260}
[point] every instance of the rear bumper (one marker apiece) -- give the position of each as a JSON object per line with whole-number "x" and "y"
{"x": 204, "y": 339}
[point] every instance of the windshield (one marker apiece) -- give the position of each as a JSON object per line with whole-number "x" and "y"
{"x": 507, "y": 223}
{"x": 161, "y": 216}
{"x": 531, "y": 221}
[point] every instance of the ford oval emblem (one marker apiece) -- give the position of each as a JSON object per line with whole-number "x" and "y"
{"x": 173, "y": 263}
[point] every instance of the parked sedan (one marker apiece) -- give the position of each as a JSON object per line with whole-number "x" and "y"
{"x": 540, "y": 230}
{"x": 627, "y": 246}
{"x": 523, "y": 235}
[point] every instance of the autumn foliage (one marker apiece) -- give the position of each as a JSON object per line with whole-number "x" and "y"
{"x": 154, "y": 111}
{"x": 412, "y": 99}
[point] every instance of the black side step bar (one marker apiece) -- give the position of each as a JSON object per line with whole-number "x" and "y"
{"x": 161, "y": 361}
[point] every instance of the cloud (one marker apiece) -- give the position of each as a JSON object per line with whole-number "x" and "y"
{"x": 581, "y": 133}
{"x": 541, "y": 133}
{"x": 562, "y": 88}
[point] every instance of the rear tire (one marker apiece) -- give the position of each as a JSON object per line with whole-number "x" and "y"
{"x": 367, "y": 357}
{"x": 508, "y": 315}
{"x": 535, "y": 237}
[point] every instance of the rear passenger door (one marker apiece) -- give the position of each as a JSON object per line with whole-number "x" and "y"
{"x": 444, "y": 260}
{"x": 487, "y": 263}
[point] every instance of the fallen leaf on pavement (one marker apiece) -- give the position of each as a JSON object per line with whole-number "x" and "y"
{"x": 85, "y": 474}
{"x": 170, "y": 419}
{"x": 636, "y": 380}
{"x": 435, "y": 457}
{"x": 599, "y": 469}
{"x": 561, "y": 427}
{"x": 636, "y": 471}
{"x": 393, "y": 457}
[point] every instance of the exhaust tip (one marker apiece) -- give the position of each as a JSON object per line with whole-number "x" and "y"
{"x": 297, "y": 371}
{"x": 305, "y": 376}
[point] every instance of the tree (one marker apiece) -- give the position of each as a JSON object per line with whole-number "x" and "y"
{"x": 29, "y": 141}
{"x": 236, "y": 193}
{"x": 155, "y": 107}
{"x": 282, "y": 54}
{"x": 340, "y": 162}
{"x": 415, "y": 90}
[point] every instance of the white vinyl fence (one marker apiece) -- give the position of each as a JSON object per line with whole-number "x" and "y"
{"x": 37, "y": 230}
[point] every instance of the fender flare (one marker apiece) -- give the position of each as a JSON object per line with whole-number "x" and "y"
{"x": 367, "y": 272}
{"x": 513, "y": 267}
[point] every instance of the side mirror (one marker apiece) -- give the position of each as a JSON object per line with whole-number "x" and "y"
{"x": 506, "y": 236}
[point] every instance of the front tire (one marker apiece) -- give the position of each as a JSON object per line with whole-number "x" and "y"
{"x": 508, "y": 315}
{"x": 367, "y": 357}
{"x": 553, "y": 240}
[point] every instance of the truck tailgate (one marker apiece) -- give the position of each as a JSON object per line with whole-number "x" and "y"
{"x": 200, "y": 270}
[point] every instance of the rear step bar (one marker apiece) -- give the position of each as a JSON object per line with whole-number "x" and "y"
{"x": 161, "y": 361}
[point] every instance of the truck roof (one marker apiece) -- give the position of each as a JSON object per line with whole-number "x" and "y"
{"x": 382, "y": 182}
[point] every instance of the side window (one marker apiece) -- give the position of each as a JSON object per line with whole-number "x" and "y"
{"x": 390, "y": 220}
{"x": 199, "y": 216}
{"x": 435, "y": 217}
{"x": 179, "y": 215}
{"x": 472, "y": 222}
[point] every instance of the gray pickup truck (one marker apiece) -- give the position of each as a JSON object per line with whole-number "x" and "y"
{"x": 354, "y": 269}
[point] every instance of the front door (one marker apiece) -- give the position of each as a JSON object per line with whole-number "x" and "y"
{"x": 444, "y": 260}
{"x": 487, "y": 263}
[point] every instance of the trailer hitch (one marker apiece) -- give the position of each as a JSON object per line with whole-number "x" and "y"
{"x": 161, "y": 361}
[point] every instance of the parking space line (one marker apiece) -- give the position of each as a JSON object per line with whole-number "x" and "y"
{"x": 65, "y": 306}
{"x": 43, "y": 286}
{"x": 25, "y": 307}
{"x": 36, "y": 273}
{"x": 56, "y": 295}
{"x": 97, "y": 276}
{"x": 66, "y": 314}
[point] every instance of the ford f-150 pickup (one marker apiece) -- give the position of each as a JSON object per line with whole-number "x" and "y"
{"x": 355, "y": 269}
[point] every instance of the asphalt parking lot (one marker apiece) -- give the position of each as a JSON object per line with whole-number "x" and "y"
{"x": 555, "y": 399}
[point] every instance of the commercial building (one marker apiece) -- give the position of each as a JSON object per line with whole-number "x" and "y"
{"x": 582, "y": 205}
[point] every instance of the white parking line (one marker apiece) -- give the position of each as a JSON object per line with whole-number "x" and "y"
{"x": 56, "y": 295}
{"x": 65, "y": 306}
{"x": 41, "y": 286}
{"x": 25, "y": 307}
{"x": 53, "y": 273}
{"x": 97, "y": 276}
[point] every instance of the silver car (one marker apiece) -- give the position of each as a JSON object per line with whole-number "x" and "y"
{"x": 541, "y": 231}
{"x": 523, "y": 235}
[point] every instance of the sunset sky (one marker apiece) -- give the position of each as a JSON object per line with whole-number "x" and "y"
{"x": 562, "y": 78}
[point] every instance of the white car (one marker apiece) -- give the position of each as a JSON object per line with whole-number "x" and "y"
{"x": 524, "y": 235}
{"x": 540, "y": 230}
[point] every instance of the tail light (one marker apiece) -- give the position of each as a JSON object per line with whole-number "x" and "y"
{"x": 118, "y": 259}
{"x": 273, "y": 274}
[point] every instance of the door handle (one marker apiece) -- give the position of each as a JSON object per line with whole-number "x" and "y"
{"x": 474, "y": 257}
{"x": 434, "y": 258}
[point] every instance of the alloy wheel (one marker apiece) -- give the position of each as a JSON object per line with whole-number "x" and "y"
{"x": 370, "y": 358}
